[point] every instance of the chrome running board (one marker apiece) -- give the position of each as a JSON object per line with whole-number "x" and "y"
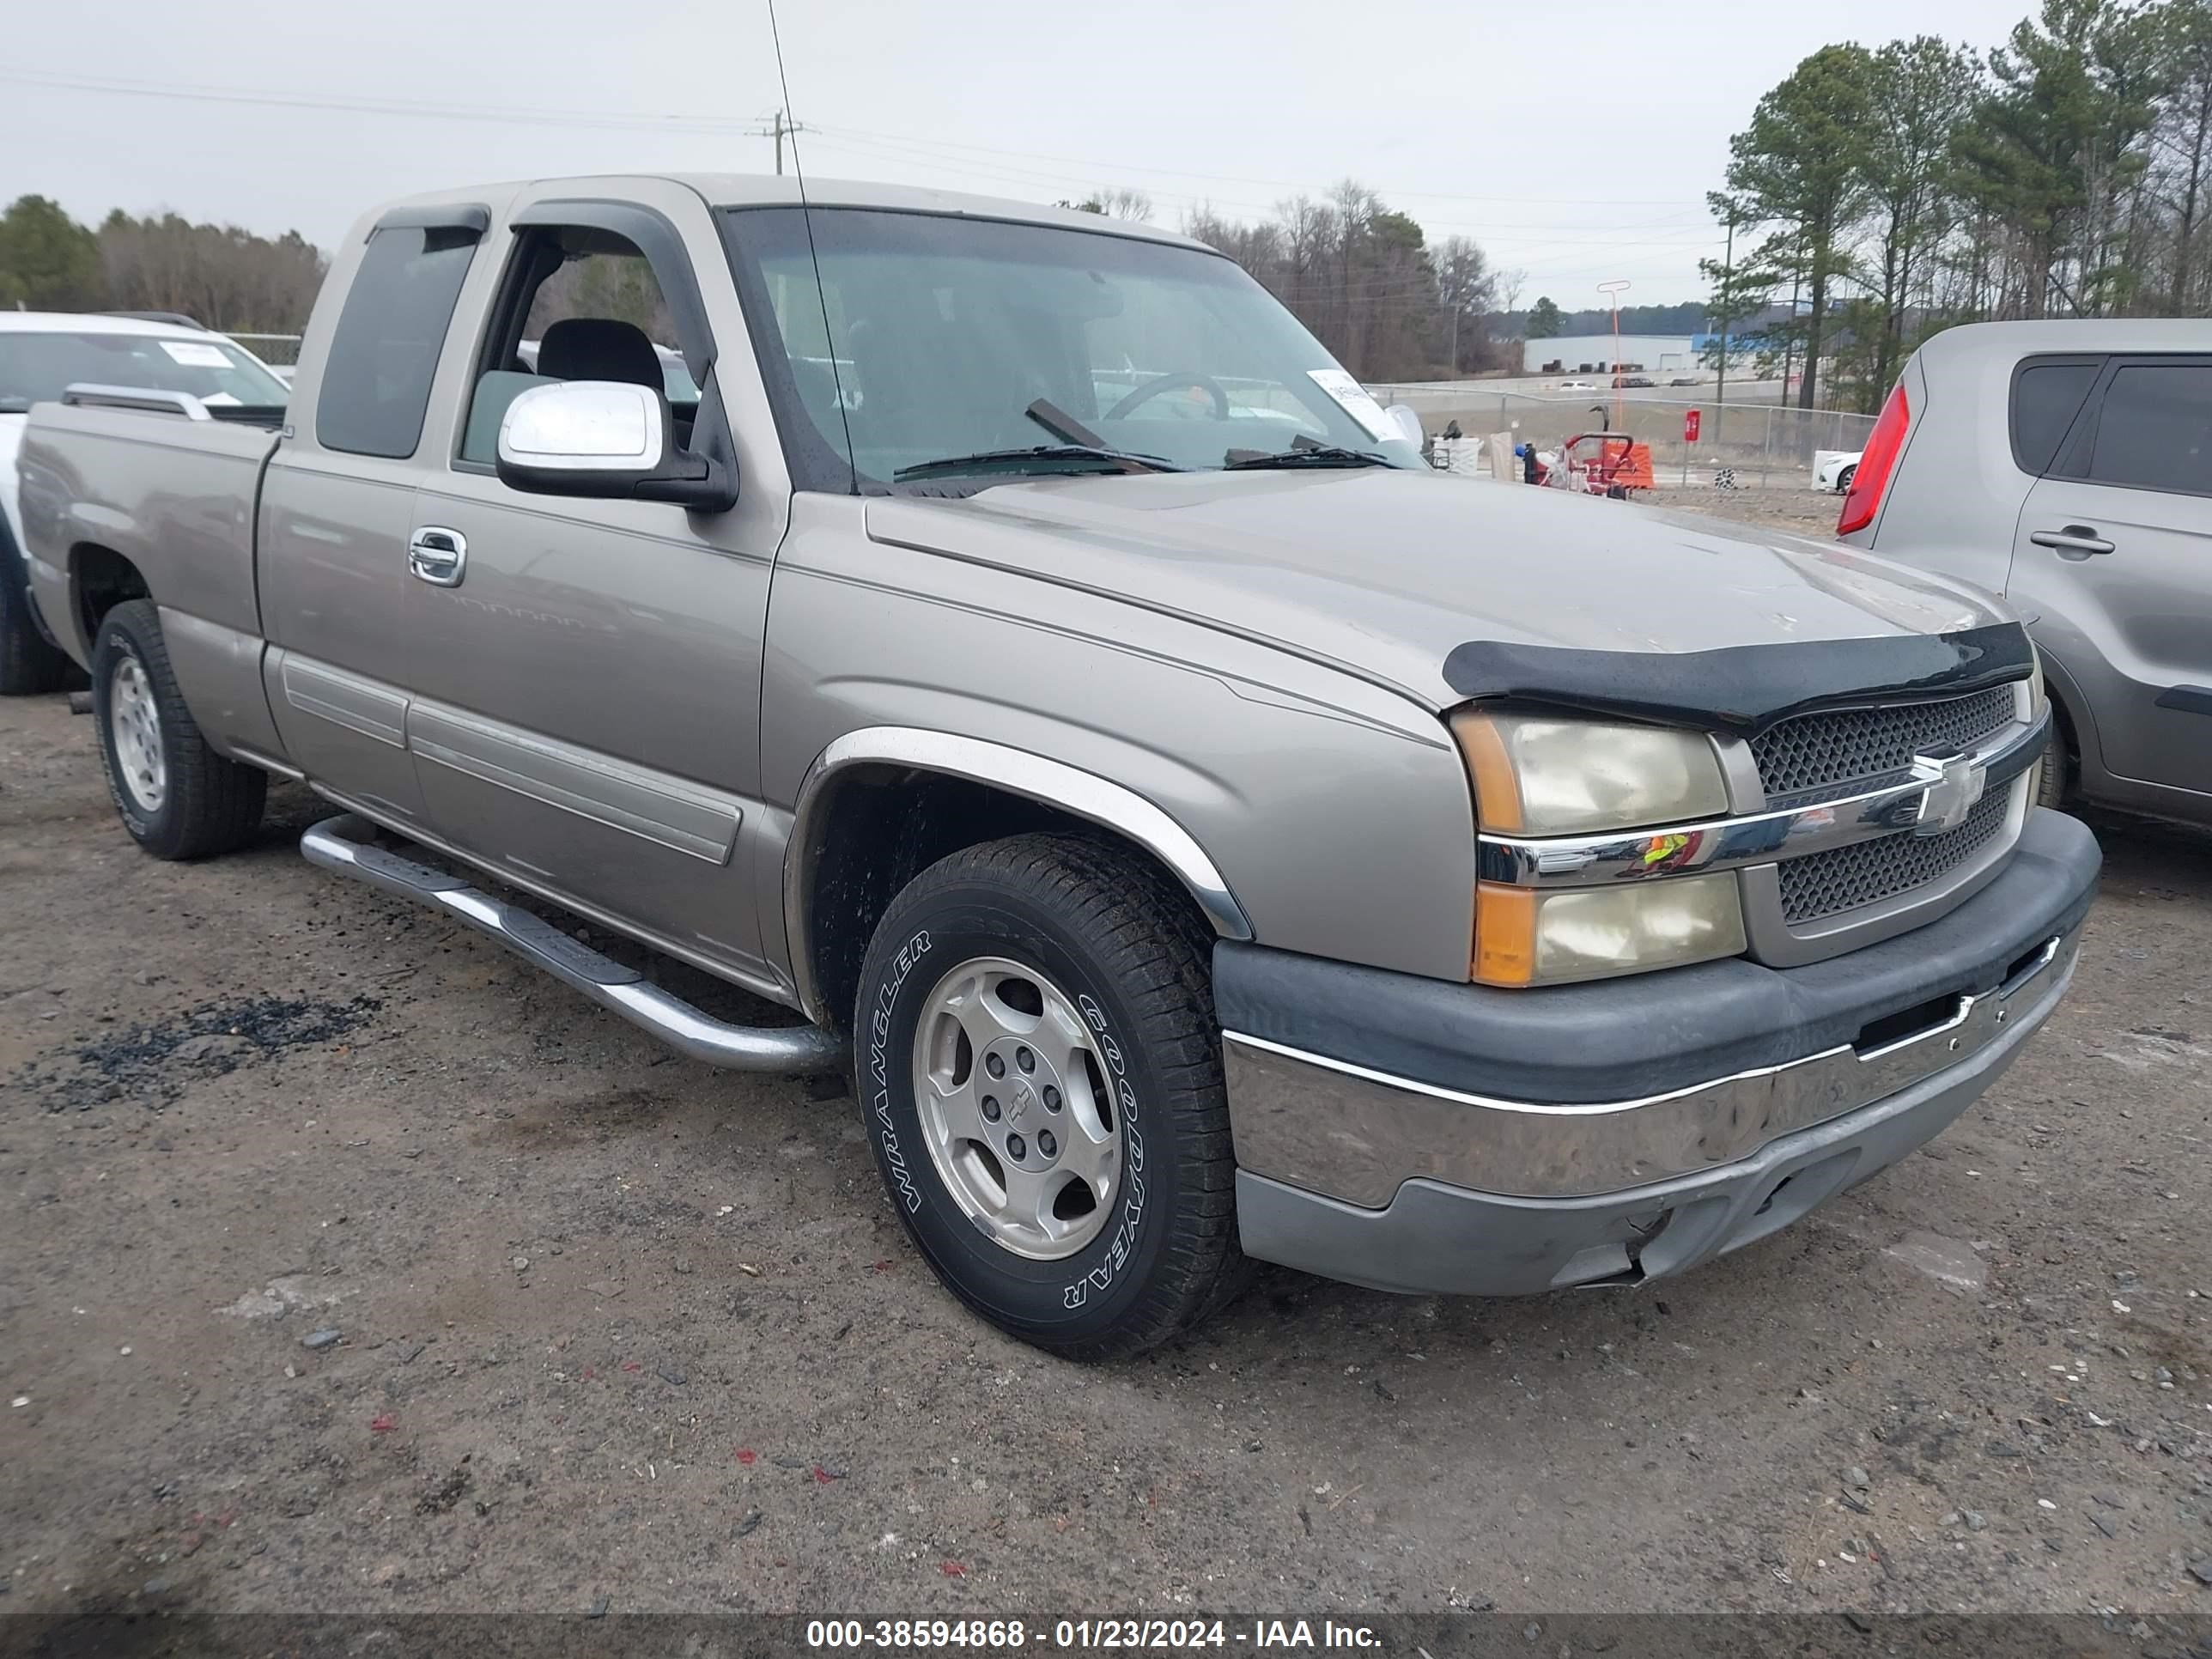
{"x": 346, "y": 844}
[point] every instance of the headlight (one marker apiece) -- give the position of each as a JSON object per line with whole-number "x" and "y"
{"x": 1524, "y": 937}
{"x": 1539, "y": 775}
{"x": 1542, "y": 775}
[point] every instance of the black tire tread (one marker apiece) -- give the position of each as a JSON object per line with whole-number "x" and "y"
{"x": 214, "y": 803}
{"x": 1145, "y": 938}
{"x": 29, "y": 666}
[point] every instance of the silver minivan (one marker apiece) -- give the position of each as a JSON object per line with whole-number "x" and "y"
{"x": 2068, "y": 465}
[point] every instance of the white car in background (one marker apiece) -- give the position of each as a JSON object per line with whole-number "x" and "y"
{"x": 1834, "y": 469}
{"x": 41, "y": 353}
{"x": 1575, "y": 386}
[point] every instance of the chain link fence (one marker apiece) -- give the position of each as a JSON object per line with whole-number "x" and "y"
{"x": 1764, "y": 446}
{"x": 277, "y": 350}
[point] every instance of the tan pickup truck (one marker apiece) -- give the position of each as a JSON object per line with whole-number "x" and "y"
{"x": 1006, "y": 640}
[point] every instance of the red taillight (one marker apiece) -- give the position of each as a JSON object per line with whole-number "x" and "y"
{"x": 1880, "y": 455}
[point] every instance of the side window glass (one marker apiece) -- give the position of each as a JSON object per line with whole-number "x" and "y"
{"x": 599, "y": 315}
{"x": 2046, "y": 399}
{"x": 2154, "y": 431}
{"x": 383, "y": 352}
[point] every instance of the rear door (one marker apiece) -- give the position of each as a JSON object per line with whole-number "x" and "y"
{"x": 337, "y": 503}
{"x": 2113, "y": 565}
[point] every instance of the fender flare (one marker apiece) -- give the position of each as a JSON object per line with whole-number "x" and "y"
{"x": 1019, "y": 771}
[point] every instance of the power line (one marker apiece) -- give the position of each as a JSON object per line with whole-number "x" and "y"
{"x": 903, "y": 147}
{"x": 913, "y": 150}
{"x": 540, "y": 116}
{"x": 385, "y": 105}
{"x": 1274, "y": 184}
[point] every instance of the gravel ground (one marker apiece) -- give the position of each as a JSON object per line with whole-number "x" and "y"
{"x": 1801, "y": 512}
{"x": 347, "y": 1264}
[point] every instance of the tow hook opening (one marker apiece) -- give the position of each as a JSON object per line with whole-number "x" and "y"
{"x": 1618, "y": 1265}
{"x": 1905, "y": 1024}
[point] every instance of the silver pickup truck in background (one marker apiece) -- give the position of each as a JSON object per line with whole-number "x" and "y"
{"x": 1210, "y": 834}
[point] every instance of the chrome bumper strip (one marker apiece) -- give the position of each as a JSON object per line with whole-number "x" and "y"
{"x": 1930, "y": 796}
{"x": 1357, "y": 1134}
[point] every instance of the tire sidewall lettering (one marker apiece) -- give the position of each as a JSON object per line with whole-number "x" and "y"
{"x": 889, "y": 1105}
{"x": 1122, "y": 1240}
{"x": 879, "y": 1028}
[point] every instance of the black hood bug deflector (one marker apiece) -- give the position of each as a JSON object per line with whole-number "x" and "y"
{"x": 1741, "y": 690}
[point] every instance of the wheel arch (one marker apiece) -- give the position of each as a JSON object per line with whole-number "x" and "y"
{"x": 2075, "y": 727}
{"x": 881, "y": 804}
{"x": 99, "y": 579}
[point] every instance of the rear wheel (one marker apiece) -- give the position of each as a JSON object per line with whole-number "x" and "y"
{"x": 28, "y": 665}
{"x": 1040, "y": 1074}
{"x": 177, "y": 798}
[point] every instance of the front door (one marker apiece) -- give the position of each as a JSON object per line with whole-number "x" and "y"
{"x": 2112, "y": 565}
{"x": 587, "y": 673}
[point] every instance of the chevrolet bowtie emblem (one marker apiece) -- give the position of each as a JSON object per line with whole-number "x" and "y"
{"x": 1954, "y": 784}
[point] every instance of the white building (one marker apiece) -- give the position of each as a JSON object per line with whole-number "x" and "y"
{"x": 1597, "y": 354}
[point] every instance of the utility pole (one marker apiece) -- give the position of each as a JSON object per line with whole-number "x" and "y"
{"x": 1728, "y": 311}
{"x": 778, "y": 125}
{"x": 1613, "y": 290}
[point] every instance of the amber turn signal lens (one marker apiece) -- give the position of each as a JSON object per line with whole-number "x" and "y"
{"x": 1497, "y": 789}
{"x": 1505, "y": 934}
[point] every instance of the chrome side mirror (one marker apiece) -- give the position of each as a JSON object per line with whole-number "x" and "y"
{"x": 607, "y": 439}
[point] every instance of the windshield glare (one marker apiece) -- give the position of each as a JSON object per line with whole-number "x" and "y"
{"x": 942, "y": 331}
{"x": 34, "y": 368}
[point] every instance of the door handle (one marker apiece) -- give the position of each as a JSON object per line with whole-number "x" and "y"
{"x": 438, "y": 556}
{"x": 2076, "y": 541}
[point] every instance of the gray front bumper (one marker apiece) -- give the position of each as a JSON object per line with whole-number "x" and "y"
{"x": 1434, "y": 1238}
{"x": 1413, "y": 1135}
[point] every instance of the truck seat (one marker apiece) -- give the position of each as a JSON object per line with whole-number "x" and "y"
{"x": 598, "y": 349}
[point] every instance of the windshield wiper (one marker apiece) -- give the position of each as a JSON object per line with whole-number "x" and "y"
{"x": 1037, "y": 457}
{"x": 1079, "y": 443}
{"x": 1304, "y": 454}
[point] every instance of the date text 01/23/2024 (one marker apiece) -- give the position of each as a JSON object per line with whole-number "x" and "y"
{"x": 1009, "y": 1635}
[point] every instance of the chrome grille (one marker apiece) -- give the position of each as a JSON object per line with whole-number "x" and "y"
{"x": 1822, "y": 752}
{"x": 1822, "y": 884}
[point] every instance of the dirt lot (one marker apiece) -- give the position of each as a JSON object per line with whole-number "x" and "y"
{"x": 610, "y": 1325}
{"x": 1799, "y": 511}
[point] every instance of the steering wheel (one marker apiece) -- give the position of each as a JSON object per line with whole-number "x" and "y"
{"x": 1152, "y": 388}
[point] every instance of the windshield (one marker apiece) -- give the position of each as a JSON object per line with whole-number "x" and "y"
{"x": 942, "y": 331}
{"x": 34, "y": 368}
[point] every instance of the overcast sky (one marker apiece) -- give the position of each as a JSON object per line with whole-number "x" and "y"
{"x": 1575, "y": 140}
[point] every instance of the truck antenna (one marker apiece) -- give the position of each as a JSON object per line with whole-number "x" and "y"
{"x": 807, "y": 217}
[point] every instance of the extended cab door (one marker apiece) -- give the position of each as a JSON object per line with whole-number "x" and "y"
{"x": 337, "y": 503}
{"x": 2113, "y": 565}
{"x": 586, "y": 674}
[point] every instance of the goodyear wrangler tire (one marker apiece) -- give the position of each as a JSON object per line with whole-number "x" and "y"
{"x": 1040, "y": 1074}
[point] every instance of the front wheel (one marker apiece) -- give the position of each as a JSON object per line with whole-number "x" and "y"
{"x": 177, "y": 798}
{"x": 1040, "y": 1075}
{"x": 1844, "y": 480}
{"x": 2050, "y": 776}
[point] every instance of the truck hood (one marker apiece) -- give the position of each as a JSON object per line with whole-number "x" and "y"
{"x": 1386, "y": 574}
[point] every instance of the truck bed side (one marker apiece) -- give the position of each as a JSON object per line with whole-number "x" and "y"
{"x": 121, "y": 502}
